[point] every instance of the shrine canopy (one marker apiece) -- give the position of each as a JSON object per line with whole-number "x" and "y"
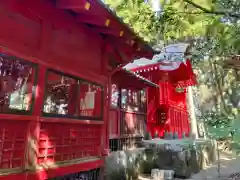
{"x": 171, "y": 65}
{"x": 129, "y": 80}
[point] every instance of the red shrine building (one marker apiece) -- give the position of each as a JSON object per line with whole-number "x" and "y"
{"x": 128, "y": 113}
{"x": 59, "y": 60}
{"x": 167, "y": 105}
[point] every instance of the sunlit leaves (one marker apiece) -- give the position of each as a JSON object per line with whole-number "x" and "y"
{"x": 137, "y": 15}
{"x": 214, "y": 38}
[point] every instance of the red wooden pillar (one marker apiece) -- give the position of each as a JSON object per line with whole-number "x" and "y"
{"x": 39, "y": 91}
{"x": 107, "y": 106}
{"x": 171, "y": 114}
{"x": 185, "y": 123}
{"x": 188, "y": 123}
{"x": 182, "y": 123}
{"x": 171, "y": 120}
{"x": 119, "y": 121}
{"x": 177, "y": 119}
{"x": 34, "y": 126}
{"x": 179, "y": 122}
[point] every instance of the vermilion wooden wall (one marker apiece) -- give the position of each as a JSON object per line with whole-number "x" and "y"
{"x": 39, "y": 33}
{"x": 167, "y": 111}
{"x": 44, "y": 34}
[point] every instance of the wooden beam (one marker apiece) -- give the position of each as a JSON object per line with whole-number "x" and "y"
{"x": 93, "y": 20}
{"x": 83, "y": 5}
{"x": 110, "y": 31}
{"x": 125, "y": 60}
{"x": 105, "y": 50}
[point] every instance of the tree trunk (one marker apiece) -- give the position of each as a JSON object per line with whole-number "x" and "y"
{"x": 194, "y": 129}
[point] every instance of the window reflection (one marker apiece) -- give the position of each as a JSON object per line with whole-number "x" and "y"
{"x": 124, "y": 98}
{"x": 115, "y": 95}
{"x": 69, "y": 96}
{"x": 135, "y": 95}
{"x": 143, "y": 98}
{"x": 60, "y": 95}
{"x": 129, "y": 98}
{"x": 16, "y": 82}
{"x": 133, "y": 100}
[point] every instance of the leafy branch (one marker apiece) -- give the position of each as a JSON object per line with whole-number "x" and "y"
{"x": 208, "y": 11}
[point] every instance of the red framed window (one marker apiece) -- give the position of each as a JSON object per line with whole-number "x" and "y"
{"x": 17, "y": 79}
{"x": 66, "y": 95}
{"x": 60, "y": 94}
{"x": 134, "y": 100}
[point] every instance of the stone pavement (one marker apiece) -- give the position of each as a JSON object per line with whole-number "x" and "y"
{"x": 229, "y": 165}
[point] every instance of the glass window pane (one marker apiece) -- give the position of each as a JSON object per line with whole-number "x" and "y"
{"x": 143, "y": 97}
{"x": 115, "y": 95}
{"x": 135, "y": 98}
{"x": 61, "y": 94}
{"x": 91, "y": 97}
{"x": 16, "y": 83}
{"x": 130, "y": 98}
{"x": 124, "y": 98}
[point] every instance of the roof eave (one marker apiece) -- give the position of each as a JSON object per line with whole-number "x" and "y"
{"x": 146, "y": 44}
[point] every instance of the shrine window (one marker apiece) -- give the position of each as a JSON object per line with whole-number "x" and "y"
{"x": 60, "y": 94}
{"x": 133, "y": 100}
{"x": 130, "y": 97}
{"x": 124, "y": 98}
{"x": 115, "y": 96}
{"x": 143, "y": 99}
{"x": 69, "y": 96}
{"x": 17, "y": 78}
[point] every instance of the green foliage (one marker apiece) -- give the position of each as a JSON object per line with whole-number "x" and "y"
{"x": 148, "y": 162}
{"x": 138, "y": 15}
{"x": 213, "y": 30}
{"x": 217, "y": 120}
